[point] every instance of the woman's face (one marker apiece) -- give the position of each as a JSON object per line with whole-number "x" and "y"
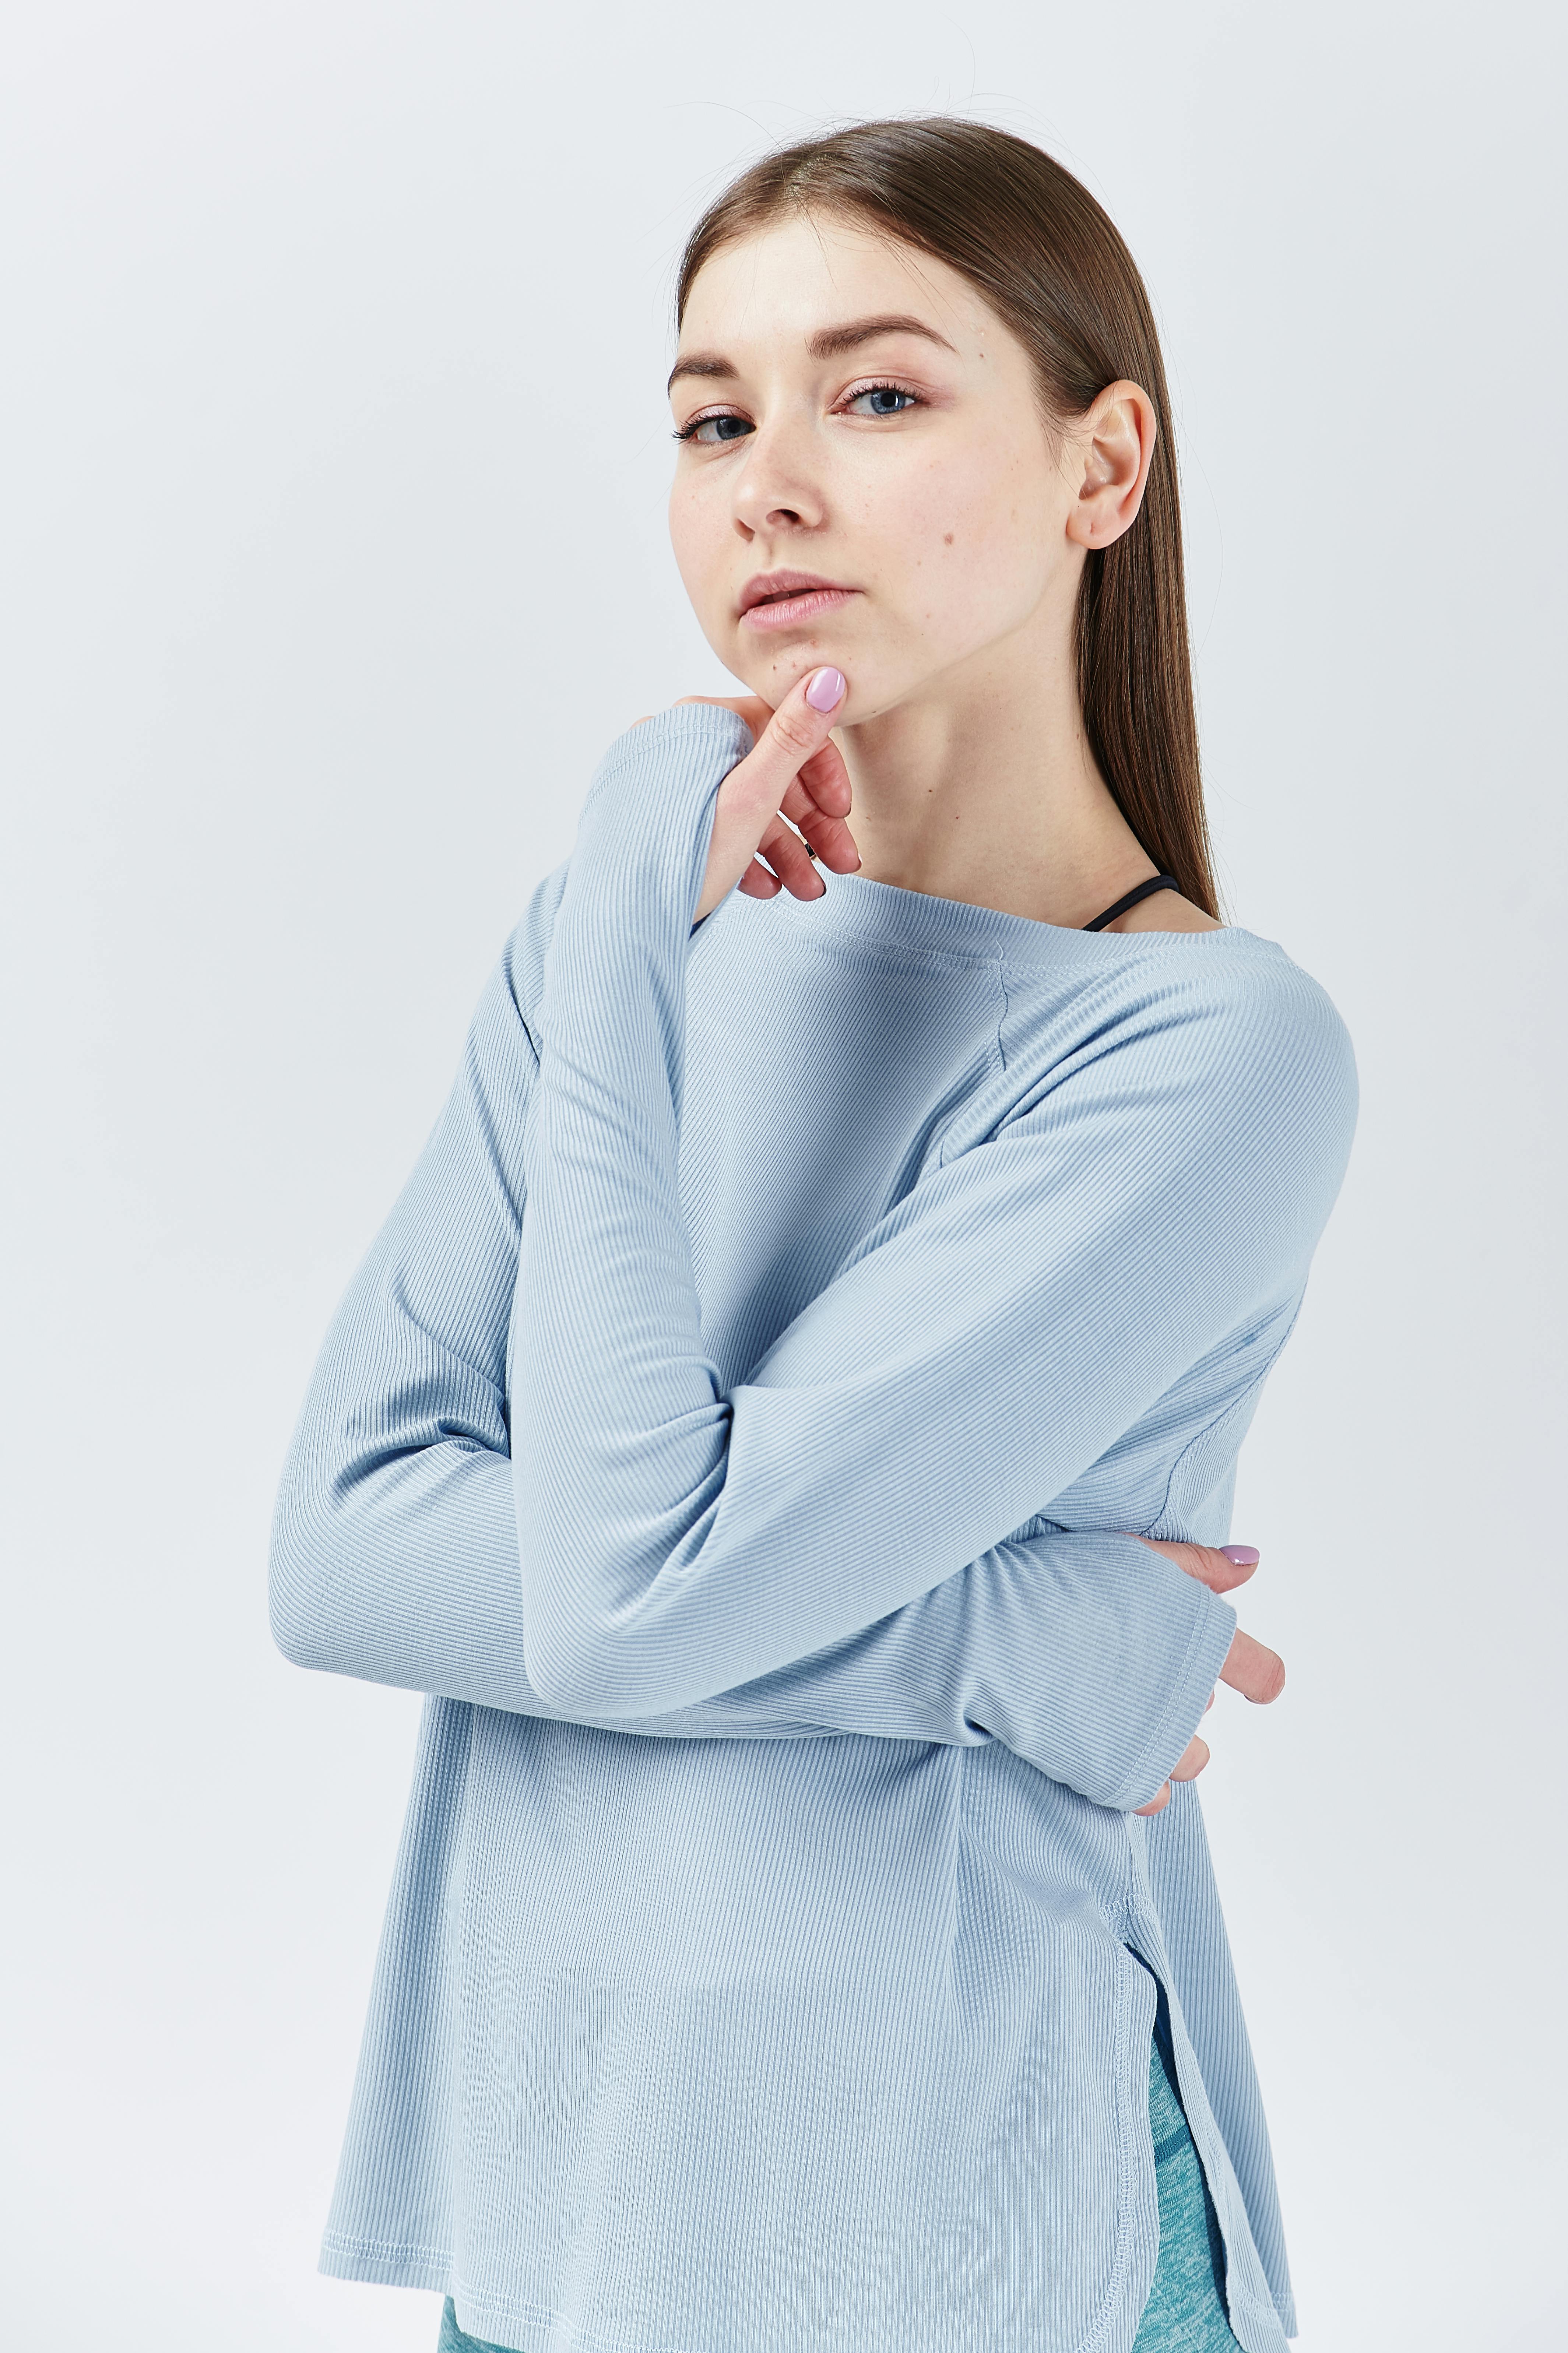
{"x": 865, "y": 477}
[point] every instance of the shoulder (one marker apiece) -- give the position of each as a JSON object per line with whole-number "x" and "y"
{"x": 1257, "y": 1000}
{"x": 1264, "y": 1037}
{"x": 1288, "y": 1024}
{"x": 1232, "y": 1008}
{"x": 1259, "y": 1056}
{"x": 1215, "y": 1047}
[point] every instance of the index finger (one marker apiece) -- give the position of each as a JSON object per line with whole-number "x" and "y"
{"x": 751, "y": 795}
{"x": 793, "y": 737}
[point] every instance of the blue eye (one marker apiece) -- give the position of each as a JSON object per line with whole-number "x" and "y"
{"x": 711, "y": 431}
{"x": 872, "y": 400}
{"x": 886, "y": 399}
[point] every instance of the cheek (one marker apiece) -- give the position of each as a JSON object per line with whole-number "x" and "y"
{"x": 699, "y": 536}
{"x": 968, "y": 541}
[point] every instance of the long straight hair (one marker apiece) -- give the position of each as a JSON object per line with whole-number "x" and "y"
{"x": 1051, "y": 264}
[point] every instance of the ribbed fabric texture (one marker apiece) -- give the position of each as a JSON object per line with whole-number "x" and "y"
{"x": 1185, "y": 2311}
{"x": 733, "y": 1429}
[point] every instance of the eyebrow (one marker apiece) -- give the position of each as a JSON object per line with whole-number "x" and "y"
{"x": 829, "y": 343}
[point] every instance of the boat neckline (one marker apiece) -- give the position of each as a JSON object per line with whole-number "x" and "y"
{"x": 855, "y": 907}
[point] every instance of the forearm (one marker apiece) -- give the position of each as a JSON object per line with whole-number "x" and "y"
{"x": 407, "y": 1575}
{"x": 1087, "y": 1654}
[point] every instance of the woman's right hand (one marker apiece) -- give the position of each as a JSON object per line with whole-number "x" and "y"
{"x": 1255, "y": 1671}
{"x": 794, "y": 770}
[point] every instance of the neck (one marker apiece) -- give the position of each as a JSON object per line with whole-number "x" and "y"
{"x": 983, "y": 789}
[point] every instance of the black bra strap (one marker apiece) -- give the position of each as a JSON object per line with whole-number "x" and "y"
{"x": 1143, "y": 891}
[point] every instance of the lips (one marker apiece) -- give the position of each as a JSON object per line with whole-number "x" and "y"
{"x": 773, "y": 600}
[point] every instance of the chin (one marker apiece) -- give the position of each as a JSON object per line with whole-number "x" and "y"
{"x": 771, "y": 673}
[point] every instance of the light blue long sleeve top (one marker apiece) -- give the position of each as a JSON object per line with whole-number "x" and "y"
{"x": 734, "y": 1430}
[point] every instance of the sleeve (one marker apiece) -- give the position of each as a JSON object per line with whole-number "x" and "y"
{"x": 999, "y": 1329}
{"x": 394, "y": 1548}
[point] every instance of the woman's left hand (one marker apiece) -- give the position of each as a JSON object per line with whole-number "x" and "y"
{"x": 1250, "y": 1667}
{"x": 796, "y": 771}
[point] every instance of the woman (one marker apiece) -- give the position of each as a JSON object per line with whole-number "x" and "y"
{"x": 803, "y": 1936}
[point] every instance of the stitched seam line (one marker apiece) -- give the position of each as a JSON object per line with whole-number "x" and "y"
{"x": 1225, "y": 1414}
{"x": 534, "y": 2315}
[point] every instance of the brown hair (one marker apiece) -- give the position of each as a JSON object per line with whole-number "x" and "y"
{"x": 1052, "y": 264}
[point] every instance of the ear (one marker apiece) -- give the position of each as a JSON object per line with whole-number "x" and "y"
{"x": 1113, "y": 445}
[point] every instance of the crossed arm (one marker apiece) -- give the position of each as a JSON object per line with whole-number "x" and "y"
{"x": 397, "y": 1553}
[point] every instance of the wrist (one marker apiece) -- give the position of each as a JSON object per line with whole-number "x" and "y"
{"x": 1211, "y": 1633}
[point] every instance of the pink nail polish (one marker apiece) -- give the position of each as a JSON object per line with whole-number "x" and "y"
{"x": 1242, "y": 1556}
{"x": 825, "y": 689}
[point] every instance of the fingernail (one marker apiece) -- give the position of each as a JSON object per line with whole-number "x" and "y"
{"x": 825, "y": 689}
{"x": 1242, "y": 1556}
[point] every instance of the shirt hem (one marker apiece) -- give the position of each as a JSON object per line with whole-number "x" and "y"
{"x": 1258, "y": 2325}
{"x": 383, "y": 2263}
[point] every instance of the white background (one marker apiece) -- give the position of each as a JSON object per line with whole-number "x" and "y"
{"x": 335, "y": 553}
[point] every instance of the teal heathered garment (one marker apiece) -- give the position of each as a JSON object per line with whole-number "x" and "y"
{"x": 732, "y": 1431}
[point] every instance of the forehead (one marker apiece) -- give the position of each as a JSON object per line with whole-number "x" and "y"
{"x": 784, "y": 282}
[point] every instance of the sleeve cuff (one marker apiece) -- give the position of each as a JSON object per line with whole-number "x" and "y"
{"x": 1212, "y": 1631}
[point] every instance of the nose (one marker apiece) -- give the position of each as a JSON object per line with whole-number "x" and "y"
{"x": 777, "y": 489}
